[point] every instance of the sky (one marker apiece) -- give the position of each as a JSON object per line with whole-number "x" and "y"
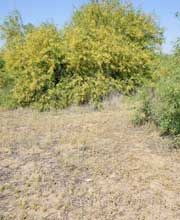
{"x": 60, "y": 11}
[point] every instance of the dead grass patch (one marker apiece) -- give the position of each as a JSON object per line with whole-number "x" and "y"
{"x": 85, "y": 164}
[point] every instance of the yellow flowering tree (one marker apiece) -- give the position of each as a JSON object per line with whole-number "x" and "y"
{"x": 111, "y": 38}
{"x": 108, "y": 46}
{"x": 40, "y": 64}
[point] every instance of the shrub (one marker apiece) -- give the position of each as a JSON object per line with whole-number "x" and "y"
{"x": 143, "y": 112}
{"x": 167, "y": 104}
{"x": 6, "y": 85}
{"x": 79, "y": 90}
{"x": 162, "y": 104}
{"x": 176, "y": 141}
{"x": 2, "y": 75}
{"x": 39, "y": 64}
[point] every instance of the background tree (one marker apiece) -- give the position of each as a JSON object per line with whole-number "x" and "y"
{"x": 111, "y": 38}
{"x": 108, "y": 46}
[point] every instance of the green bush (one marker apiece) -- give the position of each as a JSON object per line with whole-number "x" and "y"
{"x": 107, "y": 46}
{"x": 176, "y": 141}
{"x": 160, "y": 103}
{"x": 78, "y": 90}
{"x": 166, "y": 106}
{"x": 143, "y": 112}
{"x": 37, "y": 66}
{"x": 6, "y": 85}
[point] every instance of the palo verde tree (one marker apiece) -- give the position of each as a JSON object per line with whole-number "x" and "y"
{"x": 108, "y": 46}
{"x": 39, "y": 63}
{"x": 111, "y": 38}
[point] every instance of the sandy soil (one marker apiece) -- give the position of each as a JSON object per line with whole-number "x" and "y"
{"x": 83, "y": 164}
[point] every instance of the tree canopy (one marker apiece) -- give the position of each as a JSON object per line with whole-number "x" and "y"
{"x": 106, "y": 41}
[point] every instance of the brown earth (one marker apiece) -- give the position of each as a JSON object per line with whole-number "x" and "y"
{"x": 83, "y": 164}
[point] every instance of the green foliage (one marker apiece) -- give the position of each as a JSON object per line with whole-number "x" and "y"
{"x": 12, "y": 28}
{"x": 167, "y": 103}
{"x": 107, "y": 46}
{"x": 162, "y": 105}
{"x": 2, "y": 78}
{"x": 39, "y": 64}
{"x": 143, "y": 112}
{"x": 6, "y": 84}
{"x": 113, "y": 39}
{"x": 176, "y": 141}
{"x": 6, "y": 99}
{"x": 78, "y": 90}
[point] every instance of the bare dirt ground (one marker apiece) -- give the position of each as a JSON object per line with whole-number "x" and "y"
{"x": 81, "y": 164}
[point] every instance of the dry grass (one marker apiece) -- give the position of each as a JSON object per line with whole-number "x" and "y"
{"x": 80, "y": 164}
